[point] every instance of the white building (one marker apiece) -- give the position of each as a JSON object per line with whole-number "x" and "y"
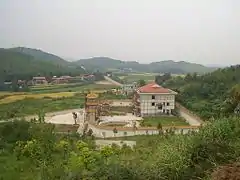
{"x": 153, "y": 100}
{"x": 129, "y": 88}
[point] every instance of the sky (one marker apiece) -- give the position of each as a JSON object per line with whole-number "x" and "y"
{"x": 199, "y": 31}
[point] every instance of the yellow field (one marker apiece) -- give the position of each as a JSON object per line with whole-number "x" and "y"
{"x": 4, "y": 93}
{"x": 16, "y": 97}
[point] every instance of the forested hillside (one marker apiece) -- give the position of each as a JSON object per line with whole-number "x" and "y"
{"x": 15, "y": 65}
{"x": 211, "y": 95}
{"x": 41, "y": 55}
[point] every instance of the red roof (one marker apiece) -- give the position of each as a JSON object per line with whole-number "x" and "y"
{"x": 153, "y": 88}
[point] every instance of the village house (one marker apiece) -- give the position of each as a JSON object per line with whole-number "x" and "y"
{"x": 153, "y": 100}
{"x": 129, "y": 88}
{"x": 88, "y": 77}
{"x": 39, "y": 80}
{"x": 61, "y": 80}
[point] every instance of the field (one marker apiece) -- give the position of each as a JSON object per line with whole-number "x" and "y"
{"x": 129, "y": 78}
{"x": 164, "y": 121}
{"x": 16, "y": 97}
{"x": 49, "y": 98}
{"x": 148, "y": 77}
{"x": 72, "y": 88}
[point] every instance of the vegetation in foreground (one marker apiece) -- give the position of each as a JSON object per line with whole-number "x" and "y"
{"x": 34, "y": 151}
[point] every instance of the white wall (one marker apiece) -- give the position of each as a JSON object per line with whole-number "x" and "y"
{"x": 148, "y": 108}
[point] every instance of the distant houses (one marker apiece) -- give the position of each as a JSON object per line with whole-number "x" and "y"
{"x": 88, "y": 77}
{"x": 39, "y": 80}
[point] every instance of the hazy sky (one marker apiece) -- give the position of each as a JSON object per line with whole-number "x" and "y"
{"x": 201, "y": 31}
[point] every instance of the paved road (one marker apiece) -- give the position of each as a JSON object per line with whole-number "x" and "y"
{"x": 112, "y": 81}
{"x": 189, "y": 118}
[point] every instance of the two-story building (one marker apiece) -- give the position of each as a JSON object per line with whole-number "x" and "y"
{"x": 153, "y": 100}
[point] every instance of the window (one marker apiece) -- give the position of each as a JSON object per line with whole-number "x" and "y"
{"x": 164, "y": 103}
{"x": 163, "y": 110}
{"x": 153, "y": 97}
{"x": 168, "y": 103}
{"x": 153, "y": 104}
{"x": 160, "y": 107}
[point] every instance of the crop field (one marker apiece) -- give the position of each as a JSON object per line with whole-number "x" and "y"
{"x": 16, "y": 97}
{"x": 148, "y": 77}
{"x": 49, "y": 98}
{"x": 137, "y": 76}
{"x": 72, "y": 88}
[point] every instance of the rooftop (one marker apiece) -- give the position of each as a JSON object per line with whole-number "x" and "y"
{"x": 154, "y": 88}
{"x": 92, "y": 96}
{"x": 39, "y": 78}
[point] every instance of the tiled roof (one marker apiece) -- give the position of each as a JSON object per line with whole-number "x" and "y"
{"x": 153, "y": 88}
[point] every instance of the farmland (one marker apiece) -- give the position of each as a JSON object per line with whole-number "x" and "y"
{"x": 129, "y": 78}
{"x": 133, "y": 77}
{"x": 48, "y": 98}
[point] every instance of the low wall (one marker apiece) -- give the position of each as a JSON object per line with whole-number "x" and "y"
{"x": 103, "y": 131}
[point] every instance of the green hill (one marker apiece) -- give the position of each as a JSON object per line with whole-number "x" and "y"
{"x": 19, "y": 65}
{"x": 212, "y": 95}
{"x": 40, "y": 55}
{"x": 105, "y": 64}
{"x": 178, "y": 67}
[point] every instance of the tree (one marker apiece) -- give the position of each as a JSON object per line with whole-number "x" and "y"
{"x": 141, "y": 82}
{"x": 75, "y": 117}
{"x": 41, "y": 117}
{"x": 159, "y": 127}
{"x": 162, "y": 79}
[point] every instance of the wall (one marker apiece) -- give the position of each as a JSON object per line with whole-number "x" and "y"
{"x": 103, "y": 132}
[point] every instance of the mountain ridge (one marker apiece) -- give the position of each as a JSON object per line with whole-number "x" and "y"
{"x": 160, "y": 66}
{"x": 106, "y": 63}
